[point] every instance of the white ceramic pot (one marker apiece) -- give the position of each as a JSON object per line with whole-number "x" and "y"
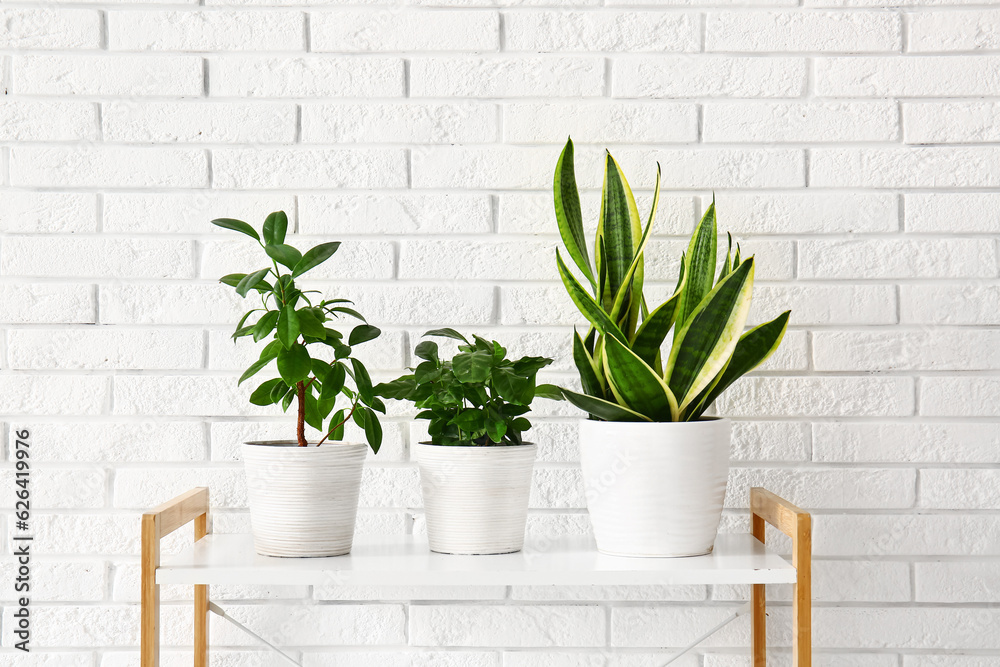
{"x": 475, "y": 498}
{"x": 303, "y": 500}
{"x": 655, "y": 489}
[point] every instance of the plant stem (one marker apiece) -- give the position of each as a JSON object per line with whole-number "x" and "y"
{"x": 300, "y": 430}
{"x": 344, "y": 421}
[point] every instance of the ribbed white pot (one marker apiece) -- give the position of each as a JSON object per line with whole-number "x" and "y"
{"x": 475, "y": 498}
{"x": 655, "y": 489}
{"x": 303, "y": 500}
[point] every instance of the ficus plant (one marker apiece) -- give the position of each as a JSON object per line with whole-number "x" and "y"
{"x": 290, "y": 321}
{"x": 478, "y": 397}
{"x": 623, "y": 371}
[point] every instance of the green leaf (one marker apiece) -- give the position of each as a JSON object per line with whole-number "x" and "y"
{"x": 233, "y": 279}
{"x": 334, "y": 380}
{"x": 602, "y": 409}
{"x": 448, "y": 333}
{"x": 472, "y": 366}
{"x": 313, "y": 416}
{"x": 400, "y": 388}
{"x": 362, "y": 379}
{"x": 279, "y": 390}
{"x": 568, "y": 215}
{"x": 263, "y": 395}
{"x": 705, "y": 343}
{"x": 255, "y": 368}
{"x": 654, "y": 329}
{"x": 284, "y": 254}
{"x": 294, "y": 364}
{"x": 309, "y": 324}
{"x": 427, "y": 350}
{"x": 363, "y": 333}
{"x": 753, "y": 349}
{"x": 618, "y": 228}
{"x": 628, "y": 287}
{"x": 314, "y": 257}
{"x": 373, "y": 430}
{"x": 700, "y": 268}
{"x": 349, "y": 311}
{"x": 288, "y": 326}
{"x": 496, "y": 429}
{"x": 728, "y": 265}
{"x": 237, "y": 226}
{"x": 470, "y": 419}
{"x": 590, "y": 375}
{"x": 636, "y": 385}
{"x": 265, "y": 325}
{"x": 250, "y": 281}
{"x": 549, "y": 391}
{"x": 275, "y": 226}
{"x": 513, "y": 387}
{"x": 336, "y": 431}
{"x": 590, "y": 308}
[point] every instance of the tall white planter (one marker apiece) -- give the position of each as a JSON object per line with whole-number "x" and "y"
{"x": 655, "y": 489}
{"x": 303, "y": 500}
{"x": 475, "y": 498}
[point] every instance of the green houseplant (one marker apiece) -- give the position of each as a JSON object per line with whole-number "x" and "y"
{"x": 475, "y": 472}
{"x": 646, "y": 395}
{"x": 293, "y": 512}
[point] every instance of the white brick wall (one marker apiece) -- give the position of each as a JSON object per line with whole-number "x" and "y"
{"x": 853, "y": 145}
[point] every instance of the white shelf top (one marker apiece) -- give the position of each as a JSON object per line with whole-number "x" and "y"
{"x": 406, "y": 561}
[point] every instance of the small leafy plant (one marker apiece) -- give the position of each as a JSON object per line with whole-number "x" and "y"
{"x": 291, "y": 321}
{"x": 478, "y": 397}
{"x": 623, "y": 373}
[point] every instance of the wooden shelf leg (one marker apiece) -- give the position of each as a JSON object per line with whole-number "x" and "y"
{"x": 201, "y": 603}
{"x": 149, "y": 646}
{"x": 802, "y": 596}
{"x": 759, "y": 604}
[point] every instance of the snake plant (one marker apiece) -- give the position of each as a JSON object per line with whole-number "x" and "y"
{"x": 620, "y": 360}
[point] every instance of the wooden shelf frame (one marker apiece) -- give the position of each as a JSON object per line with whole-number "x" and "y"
{"x": 765, "y": 508}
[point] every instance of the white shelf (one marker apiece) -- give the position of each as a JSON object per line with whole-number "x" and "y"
{"x": 406, "y": 561}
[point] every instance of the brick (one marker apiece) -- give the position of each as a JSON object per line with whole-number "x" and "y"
{"x": 715, "y": 168}
{"x": 368, "y": 31}
{"x": 305, "y": 77}
{"x": 777, "y": 213}
{"x": 593, "y": 658}
{"x": 920, "y": 628}
{"x": 62, "y": 488}
{"x": 958, "y": 489}
{"x": 950, "y": 661}
{"x": 532, "y": 213}
{"x": 819, "y": 397}
{"x": 399, "y": 123}
{"x": 122, "y": 76}
{"x": 104, "y": 348}
{"x": 49, "y": 28}
{"x": 404, "y": 213}
{"x": 770, "y": 441}
{"x": 793, "y": 31}
{"x": 840, "y": 581}
{"x": 48, "y": 212}
{"x": 935, "y": 212}
{"x": 96, "y": 257}
{"x": 538, "y": 305}
{"x": 953, "y": 31}
{"x": 53, "y": 395}
{"x": 86, "y": 533}
{"x": 38, "y": 120}
{"x": 907, "y": 76}
{"x": 476, "y": 260}
{"x": 950, "y": 122}
{"x": 507, "y": 76}
{"x": 183, "y": 395}
{"x": 46, "y": 303}
{"x": 812, "y": 122}
{"x": 243, "y": 30}
{"x": 825, "y": 304}
{"x": 199, "y": 122}
{"x": 600, "y": 122}
{"x": 628, "y": 32}
{"x": 557, "y": 487}
{"x": 957, "y": 582}
{"x": 138, "y": 488}
{"x": 649, "y": 626}
{"x": 87, "y": 442}
{"x": 507, "y": 626}
{"x": 907, "y": 535}
{"x": 401, "y": 658}
{"x": 708, "y": 76}
{"x": 959, "y": 396}
{"x": 170, "y": 304}
{"x": 83, "y": 626}
{"x": 188, "y": 213}
{"x": 316, "y": 625}
{"x": 309, "y": 168}
{"x": 913, "y": 442}
{"x": 924, "y": 167}
{"x": 481, "y": 168}
{"x": 909, "y": 258}
{"x": 66, "y": 581}
{"x": 110, "y": 167}
{"x": 961, "y": 303}
{"x": 390, "y": 487}
{"x": 355, "y": 260}
{"x": 406, "y": 304}
{"x": 857, "y": 488}
{"x": 907, "y": 350}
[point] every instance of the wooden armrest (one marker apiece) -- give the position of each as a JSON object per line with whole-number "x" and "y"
{"x": 173, "y": 514}
{"x": 778, "y": 512}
